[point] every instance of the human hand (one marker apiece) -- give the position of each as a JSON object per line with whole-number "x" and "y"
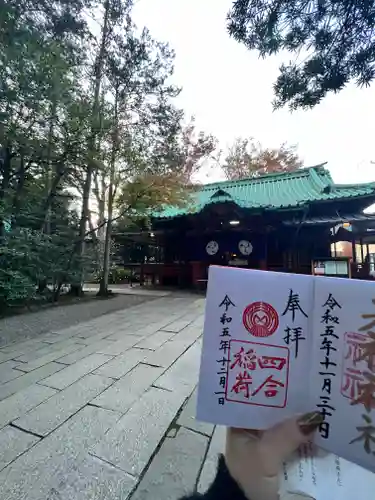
{"x": 254, "y": 458}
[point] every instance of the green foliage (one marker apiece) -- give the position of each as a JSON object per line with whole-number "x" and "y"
{"x": 82, "y": 114}
{"x": 15, "y": 288}
{"x": 333, "y": 41}
{"x": 116, "y": 276}
{"x": 119, "y": 275}
{"x": 34, "y": 264}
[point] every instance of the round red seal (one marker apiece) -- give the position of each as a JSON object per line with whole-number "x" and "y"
{"x": 260, "y": 319}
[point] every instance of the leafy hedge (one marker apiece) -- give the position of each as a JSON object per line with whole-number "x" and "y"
{"x": 117, "y": 275}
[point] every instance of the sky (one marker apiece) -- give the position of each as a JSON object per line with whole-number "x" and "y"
{"x": 229, "y": 91}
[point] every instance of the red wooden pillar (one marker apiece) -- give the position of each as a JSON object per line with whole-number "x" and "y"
{"x": 263, "y": 264}
{"x": 197, "y": 271}
{"x": 142, "y": 276}
{"x": 263, "y": 261}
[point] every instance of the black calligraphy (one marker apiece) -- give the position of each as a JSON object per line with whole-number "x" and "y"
{"x": 328, "y": 364}
{"x": 294, "y": 332}
{"x": 366, "y": 435}
{"x": 223, "y": 347}
{"x": 227, "y": 303}
{"x": 293, "y": 305}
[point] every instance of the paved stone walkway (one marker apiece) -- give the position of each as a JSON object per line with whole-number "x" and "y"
{"x": 104, "y": 410}
{"x": 52, "y": 318}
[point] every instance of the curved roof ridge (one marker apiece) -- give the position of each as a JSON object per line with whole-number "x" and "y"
{"x": 221, "y": 192}
{"x": 274, "y": 192}
{"x": 237, "y": 201}
{"x": 356, "y": 185}
{"x": 321, "y": 180}
{"x": 300, "y": 172}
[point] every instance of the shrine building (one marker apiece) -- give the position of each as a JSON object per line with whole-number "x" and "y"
{"x": 298, "y": 222}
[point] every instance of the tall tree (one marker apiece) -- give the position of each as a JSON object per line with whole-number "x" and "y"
{"x": 196, "y": 148}
{"x": 113, "y": 11}
{"x": 135, "y": 72}
{"x": 38, "y": 54}
{"x": 246, "y": 158}
{"x": 39, "y": 69}
{"x": 333, "y": 42}
{"x": 84, "y": 113}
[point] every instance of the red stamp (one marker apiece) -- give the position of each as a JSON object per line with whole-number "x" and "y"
{"x": 260, "y": 319}
{"x": 352, "y": 366}
{"x": 257, "y": 374}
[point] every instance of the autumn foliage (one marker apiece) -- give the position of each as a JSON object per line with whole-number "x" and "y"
{"x": 247, "y": 158}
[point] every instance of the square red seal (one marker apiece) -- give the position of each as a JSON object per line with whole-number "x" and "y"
{"x": 257, "y": 374}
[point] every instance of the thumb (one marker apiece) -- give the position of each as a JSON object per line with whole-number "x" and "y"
{"x": 284, "y": 438}
{"x": 291, "y": 495}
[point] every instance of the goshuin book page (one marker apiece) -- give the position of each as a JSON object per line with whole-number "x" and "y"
{"x": 342, "y": 380}
{"x": 276, "y": 345}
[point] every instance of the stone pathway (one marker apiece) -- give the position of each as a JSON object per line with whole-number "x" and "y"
{"x": 53, "y": 318}
{"x": 104, "y": 410}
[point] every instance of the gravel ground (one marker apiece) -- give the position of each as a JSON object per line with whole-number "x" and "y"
{"x": 29, "y": 325}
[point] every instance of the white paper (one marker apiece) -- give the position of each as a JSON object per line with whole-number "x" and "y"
{"x": 331, "y": 373}
{"x": 325, "y": 476}
{"x": 248, "y": 323}
{"x": 344, "y": 387}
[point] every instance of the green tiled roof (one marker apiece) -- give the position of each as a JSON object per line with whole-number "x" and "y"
{"x": 271, "y": 192}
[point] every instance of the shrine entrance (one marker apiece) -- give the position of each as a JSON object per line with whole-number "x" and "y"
{"x": 279, "y": 222}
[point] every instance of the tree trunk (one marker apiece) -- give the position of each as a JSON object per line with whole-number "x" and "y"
{"x": 103, "y": 289}
{"x": 47, "y": 217}
{"x": 102, "y": 229}
{"x": 91, "y": 146}
{"x": 20, "y": 185}
{"x": 5, "y": 168}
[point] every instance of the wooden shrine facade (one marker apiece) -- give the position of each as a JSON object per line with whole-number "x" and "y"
{"x": 282, "y": 222}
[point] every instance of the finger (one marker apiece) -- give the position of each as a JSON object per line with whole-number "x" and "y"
{"x": 291, "y": 495}
{"x": 310, "y": 422}
{"x": 250, "y": 432}
{"x": 287, "y": 436}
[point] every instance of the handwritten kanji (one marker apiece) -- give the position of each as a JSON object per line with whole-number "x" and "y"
{"x": 366, "y": 396}
{"x": 224, "y": 346}
{"x": 329, "y": 318}
{"x": 327, "y": 385}
{"x": 226, "y": 302}
{"x": 370, "y": 325}
{"x": 243, "y": 380}
{"x": 271, "y": 362}
{"x": 331, "y": 302}
{"x": 293, "y": 305}
{"x": 367, "y": 435}
{"x": 244, "y": 359}
{"x": 327, "y": 363}
{"x": 329, "y": 331}
{"x": 294, "y": 335}
{"x": 225, "y": 332}
{"x": 327, "y": 346}
{"x": 223, "y": 362}
{"x": 324, "y": 429}
{"x": 325, "y": 406}
{"x": 222, "y": 381}
{"x": 225, "y": 319}
{"x": 271, "y": 387}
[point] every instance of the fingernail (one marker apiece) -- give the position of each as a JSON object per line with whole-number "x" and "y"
{"x": 309, "y": 422}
